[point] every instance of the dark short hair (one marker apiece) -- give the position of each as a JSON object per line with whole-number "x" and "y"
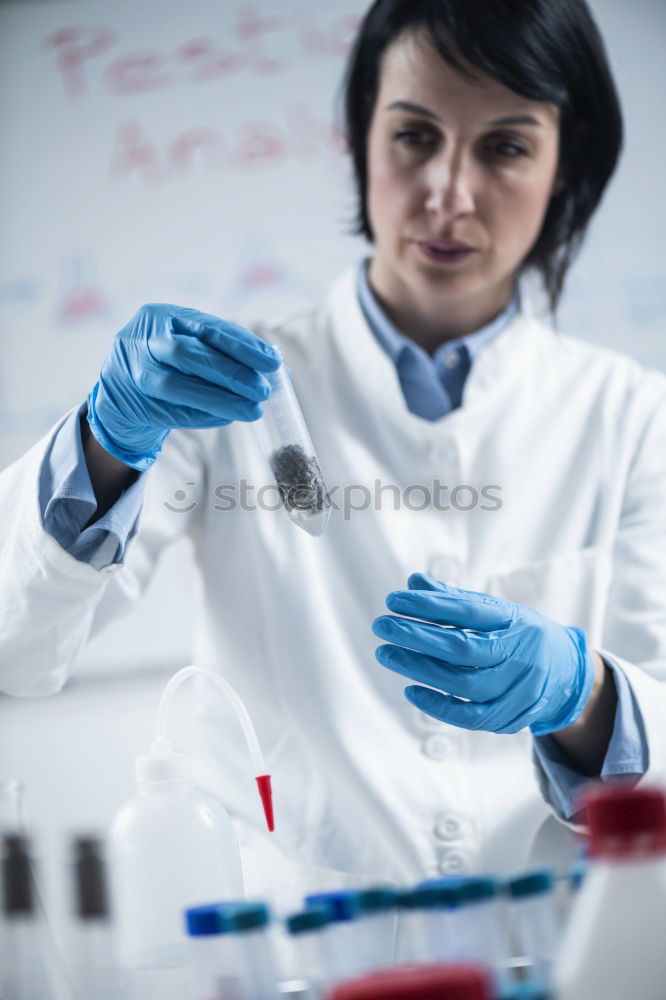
{"x": 544, "y": 50}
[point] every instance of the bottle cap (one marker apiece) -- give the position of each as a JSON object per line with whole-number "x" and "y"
{"x": 533, "y": 883}
{"x": 343, "y": 904}
{"x": 162, "y": 765}
{"x": 626, "y": 821}
{"x": 311, "y": 919}
{"x": 425, "y": 982}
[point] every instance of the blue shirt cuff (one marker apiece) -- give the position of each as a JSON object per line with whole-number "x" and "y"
{"x": 627, "y": 753}
{"x": 67, "y": 502}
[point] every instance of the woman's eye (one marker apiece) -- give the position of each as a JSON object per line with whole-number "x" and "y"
{"x": 508, "y": 150}
{"x": 412, "y": 137}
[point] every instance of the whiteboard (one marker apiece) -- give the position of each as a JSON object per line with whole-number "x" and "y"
{"x": 188, "y": 153}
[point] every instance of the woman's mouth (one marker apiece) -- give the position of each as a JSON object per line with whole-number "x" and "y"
{"x": 446, "y": 253}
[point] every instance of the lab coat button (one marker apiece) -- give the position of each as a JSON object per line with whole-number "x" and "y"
{"x": 445, "y": 569}
{"x": 436, "y": 747}
{"x": 448, "y": 827}
{"x": 452, "y": 862}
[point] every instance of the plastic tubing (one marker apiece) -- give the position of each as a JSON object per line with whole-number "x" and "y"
{"x": 163, "y": 744}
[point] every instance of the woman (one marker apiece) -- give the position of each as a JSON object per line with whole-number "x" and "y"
{"x": 482, "y": 139}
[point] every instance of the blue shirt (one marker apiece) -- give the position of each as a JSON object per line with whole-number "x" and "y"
{"x": 432, "y": 387}
{"x": 67, "y": 502}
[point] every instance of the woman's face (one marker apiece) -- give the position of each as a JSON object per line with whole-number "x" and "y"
{"x": 445, "y": 169}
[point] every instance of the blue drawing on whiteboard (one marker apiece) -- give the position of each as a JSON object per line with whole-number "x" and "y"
{"x": 20, "y": 291}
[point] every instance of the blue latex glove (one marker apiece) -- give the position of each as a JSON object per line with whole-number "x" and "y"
{"x": 175, "y": 367}
{"x": 515, "y": 667}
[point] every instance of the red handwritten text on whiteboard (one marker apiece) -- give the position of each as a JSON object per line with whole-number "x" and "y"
{"x": 87, "y": 57}
{"x": 253, "y": 145}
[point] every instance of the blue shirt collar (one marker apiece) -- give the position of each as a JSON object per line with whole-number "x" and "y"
{"x": 394, "y": 341}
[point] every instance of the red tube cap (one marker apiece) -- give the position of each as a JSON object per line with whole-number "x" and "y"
{"x": 625, "y": 821}
{"x": 419, "y": 982}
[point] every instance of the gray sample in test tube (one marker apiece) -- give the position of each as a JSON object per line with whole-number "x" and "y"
{"x": 285, "y": 440}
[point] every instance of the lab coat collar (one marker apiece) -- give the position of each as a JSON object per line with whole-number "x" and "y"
{"x": 496, "y": 369}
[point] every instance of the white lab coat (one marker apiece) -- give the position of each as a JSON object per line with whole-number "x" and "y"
{"x": 365, "y": 785}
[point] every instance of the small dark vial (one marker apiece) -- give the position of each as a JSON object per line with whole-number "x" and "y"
{"x": 18, "y": 896}
{"x": 90, "y": 889}
{"x": 299, "y": 479}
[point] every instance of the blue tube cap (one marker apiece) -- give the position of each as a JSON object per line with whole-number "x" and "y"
{"x": 202, "y": 921}
{"x": 377, "y": 899}
{"x": 533, "y": 883}
{"x": 343, "y": 904}
{"x": 429, "y": 897}
{"x": 243, "y": 917}
{"x": 477, "y": 889}
{"x": 312, "y": 919}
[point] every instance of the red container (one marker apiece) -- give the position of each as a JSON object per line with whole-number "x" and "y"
{"x": 418, "y": 982}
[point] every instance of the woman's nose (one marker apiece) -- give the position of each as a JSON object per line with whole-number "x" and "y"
{"x": 450, "y": 186}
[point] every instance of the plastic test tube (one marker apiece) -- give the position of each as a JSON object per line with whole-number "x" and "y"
{"x": 533, "y": 904}
{"x": 95, "y": 972}
{"x": 455, "y": 920}
{"x": 27, "y": 960}
{"x": 412, "y": 937}
{"x": 215, "y": 957}
{"x": 313, "y": 959}
{"x": 284, "y": 438}
{"x": 427, "y": 925}
{"x": 248, "y": 924}
{"x": 376, "y": 927}
{"x": 342, "y": 930}
{"x": 482, "y": 925}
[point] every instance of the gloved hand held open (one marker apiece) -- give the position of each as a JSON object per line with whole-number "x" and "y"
{"x": 176, "y": 367}
{"x": 513, "y": 666}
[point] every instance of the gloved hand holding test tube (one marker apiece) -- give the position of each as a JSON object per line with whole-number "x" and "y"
{"x": 285, "y": 440}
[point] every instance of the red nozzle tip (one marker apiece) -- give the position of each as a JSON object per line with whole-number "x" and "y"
{"x": 264, "y": 785}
